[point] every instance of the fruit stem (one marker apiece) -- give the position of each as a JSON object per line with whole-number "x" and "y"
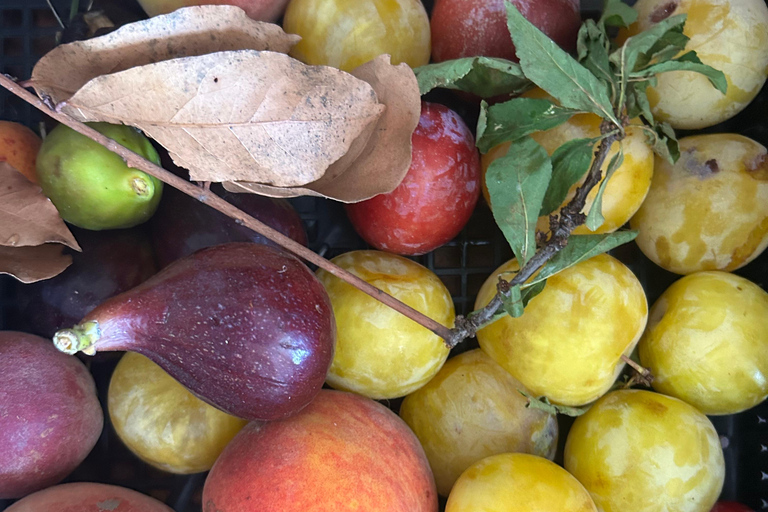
{"x": 79, "y": 338}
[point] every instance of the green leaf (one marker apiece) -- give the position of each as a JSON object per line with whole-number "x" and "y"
{"x": 617, "y": 14}
{"x": 517, "y": 118}
{"x": 544, "y": 404}
{"x": 484, "y": 76}
{"x": 637, "y": 46}
{"x": 514, "y": 305}
{"x": 581, "y": 248}
{"x": 570, "y": 162}
{"x": 517, "y": 184}
{"x": 668, "y": 45}
{"x": 663, "y": 140}
{"x": 688, "y": 62}
{"x": 592, "y": 47}
{"x": 637, "y": 101}
{"x": 551, "y": 68}
{"x": 595, "y": 217}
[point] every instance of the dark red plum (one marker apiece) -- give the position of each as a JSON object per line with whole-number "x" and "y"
{"x": 50, "y": 417}
{"x": 246, "y": 327}
{"x": 182, "y": 225}
{"x": 112, "y": 262}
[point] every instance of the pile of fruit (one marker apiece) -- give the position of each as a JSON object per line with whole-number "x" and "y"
{"x": 297, "y": 391}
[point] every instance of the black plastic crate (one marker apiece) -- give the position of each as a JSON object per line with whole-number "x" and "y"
{"x": 28, "y": 29}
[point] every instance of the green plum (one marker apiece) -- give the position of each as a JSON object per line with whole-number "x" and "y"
{"x": 92, "y": 187}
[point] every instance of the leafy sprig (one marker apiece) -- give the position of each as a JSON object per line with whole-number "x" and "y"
{"x": 604, "y": 79}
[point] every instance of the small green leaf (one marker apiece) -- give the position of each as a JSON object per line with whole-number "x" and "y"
{"x": 544, "y": 404}
{"x": 531, "y": 290}
{"x": 595, "y": 217}
{"x": 637, "y": 101}
{"x": 517, "y": 118}
{"x": 688, "y": 62}
{"x": 581, "y": 248}
{"x": 484, "y": 76}
{"x": 663, "y": 141}
{"x": 513, "y": 304}
{"x": 570, "y": 162}
{"x": 551, "y": 68}
{"x": 617, "y": 14}
{"x": 637, "y": 46}
{"x": 667, "y": 47}
{"x": 517, "y": 184}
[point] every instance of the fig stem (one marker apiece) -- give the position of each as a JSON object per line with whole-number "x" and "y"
{"x": 79, "y": 338}
{"x": 204, "y": 196}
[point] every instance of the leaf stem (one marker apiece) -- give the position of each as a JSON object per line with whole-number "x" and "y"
{"x": 217, "y": 203}
{"x": 561, "y": 227}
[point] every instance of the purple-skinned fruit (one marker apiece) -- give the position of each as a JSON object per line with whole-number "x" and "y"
{"x": 50, "y": 417}
{"x": 246, "y": 327}
{"x": 111, "y": 262}
{"x": 183, "y": 225}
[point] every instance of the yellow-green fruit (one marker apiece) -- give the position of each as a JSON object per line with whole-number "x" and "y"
{"x": 473, "y": 409}
{"x": 161, "y": 422}
{"x": 347, "y": 33}
{"x": 380, "y": 353}
{"x": 707, "y": 342}
{"x": 518, "y": 482}
{"x": 729, "y": 35}
{"x": 645, "y": 452}
{"x": 92, "y": 187}
{"x": 568, "y": 343}
{"x": 627, "y": 187}
{"x": 709, "y": 211}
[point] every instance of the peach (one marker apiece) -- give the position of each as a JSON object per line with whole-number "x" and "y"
{"x": 729, "y": 35}
{"x": 625, "y": 190}
{"x": 473, "y": 409}
{"x": 642, "y": 451}
{"x": 568, "y": 343}
{"x": 709, "y": 211}
{"x": 19, "y": 146}
{"x": 707, "y": 342}
{"x": 519, "y": 482}
{"x": 342, "y": 453}
{"x": 88, "y": 497}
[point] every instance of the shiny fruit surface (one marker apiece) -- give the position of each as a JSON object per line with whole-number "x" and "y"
{"x": 342, "y": 453}
{"x": 646, "y": 452}
{"x": 437, "y": 196}
{"x": 88, "y": 497}
{"x": 707, "y": 342}
{"x": 729, "y": 35}
{"x": 92, "y": 187}
{"x": 709, "y": 211}
{"x": 627, "y": 187}
{"x": 473, "y": 409}
{"x": 519, "y": 482}
{"x": 347, "y": 33}
{"x": 379, "y": 352}
{"x": 568, "y": 343}
{"x": 261, "y": 10}
{"x": 466, "y": 28}
{"x": 18, "y": 147}
{"x": 161, "y": 422}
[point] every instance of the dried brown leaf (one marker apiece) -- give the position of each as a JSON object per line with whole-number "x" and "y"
{"x": 241, "y": 115}
{"x": 375, "y": 164}
{"x": 27, "y": 217}
{"x": 186, "y": 32}
{"x": 31, "y": 264}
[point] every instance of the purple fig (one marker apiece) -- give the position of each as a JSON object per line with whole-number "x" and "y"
{"x": 50, "y": 417}
{"x": 246, "y": 327}
{"x": 182, "y": 225}
{"x": 112, "y": 262}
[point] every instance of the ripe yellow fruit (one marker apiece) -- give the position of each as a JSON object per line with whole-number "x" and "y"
{"x": 625, "y": 190}
{"x": 707, "y": 342}
{"x": 518, "y": 482}
{"x": 161, "y": 422}
{"x": 709, "y": 211}
{"x": 729, "y": 35}
{"x": 380, "y": 353}
{"x": 645, "y": 452}
{"x": 347, "y": 33}
{"x": 473, "y": 409}
{"x": 568, "y": 343}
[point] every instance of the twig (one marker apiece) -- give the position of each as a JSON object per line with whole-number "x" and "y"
{"x": 561, "y": 227}
{"x": 643, "y": 374}
{"x": 217, "y": 203}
